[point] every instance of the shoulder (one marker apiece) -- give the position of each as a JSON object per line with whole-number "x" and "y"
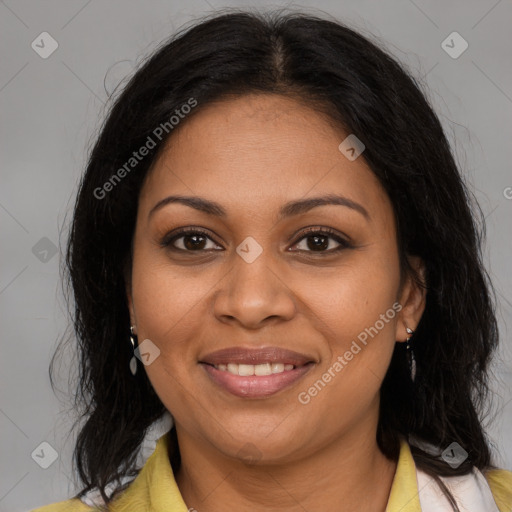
{"x": 500, "y": 482}
{"x": 486, "y": 489}
{"x": 72, "y": 505}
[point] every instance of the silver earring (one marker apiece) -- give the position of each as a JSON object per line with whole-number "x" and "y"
{"x": 133, "y": 360}
{"x": 410, "y": 355}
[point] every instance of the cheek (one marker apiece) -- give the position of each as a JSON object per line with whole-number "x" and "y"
{"x": 360, "y": 329}
{"x": 169, "y": 305}
{"x": 357, "y": 309}
{"x": 169, "y": 312}
{"x": 354, "y": 297}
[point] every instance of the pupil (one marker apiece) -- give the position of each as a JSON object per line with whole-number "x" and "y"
{"x": 195, "y": 244}
{"x": 317, "y": 244}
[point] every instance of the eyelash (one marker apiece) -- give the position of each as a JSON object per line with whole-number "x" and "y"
{"x": 168, "y": 240}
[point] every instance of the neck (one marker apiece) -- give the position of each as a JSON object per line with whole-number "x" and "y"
{"x": 348, "y": 474}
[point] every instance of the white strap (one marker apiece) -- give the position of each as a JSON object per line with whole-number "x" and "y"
{"x": 471, "y": 492}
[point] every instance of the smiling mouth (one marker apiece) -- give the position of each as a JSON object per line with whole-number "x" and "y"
{"x": 250, "y": 372}
{"x": 261, "y": 370}
{"x": 255, "y": 381}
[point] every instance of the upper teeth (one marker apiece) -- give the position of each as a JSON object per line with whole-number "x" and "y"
{"x": 254, "y": 369}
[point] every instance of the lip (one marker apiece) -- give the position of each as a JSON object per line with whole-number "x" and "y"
{"x": 256, "y": 386}
{"x": 241, "y": 355}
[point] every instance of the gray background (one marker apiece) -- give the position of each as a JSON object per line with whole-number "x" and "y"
{"x": 51, "y": 109}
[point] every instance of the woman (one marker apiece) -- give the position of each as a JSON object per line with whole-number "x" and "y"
{"x": 273, "y": 247}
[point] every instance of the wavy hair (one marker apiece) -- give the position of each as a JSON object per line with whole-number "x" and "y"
{"x": 364, "y": 90}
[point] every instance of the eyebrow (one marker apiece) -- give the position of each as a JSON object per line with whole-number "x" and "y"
{"x": 288, "y": 210}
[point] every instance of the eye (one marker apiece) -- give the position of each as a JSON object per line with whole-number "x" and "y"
{"x": 320, "y": 240}
{"x": 188, "y": 240}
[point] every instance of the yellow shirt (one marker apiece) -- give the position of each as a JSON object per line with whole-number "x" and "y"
{"x": 155, "y": 489}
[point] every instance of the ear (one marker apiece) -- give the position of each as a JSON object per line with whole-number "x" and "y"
{"x": 412, "y": 299}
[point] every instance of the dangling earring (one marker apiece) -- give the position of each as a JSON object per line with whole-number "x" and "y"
{"x": 133, "y": 360}
{"x": 410, "y": 355}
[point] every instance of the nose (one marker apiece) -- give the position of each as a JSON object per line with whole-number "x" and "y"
{"x": 254, "y": 294}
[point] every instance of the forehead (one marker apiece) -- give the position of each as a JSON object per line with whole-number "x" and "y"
{"x": 256, "y": 152}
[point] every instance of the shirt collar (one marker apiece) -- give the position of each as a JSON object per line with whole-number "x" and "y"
{"x": 404, "y": 494}
{"x": 155, "y": 487}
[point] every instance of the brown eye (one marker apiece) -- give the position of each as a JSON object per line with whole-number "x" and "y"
{"x": 322, "y": 241}
{"x": 189, "y": 240}
{"x": 193, "y": 242}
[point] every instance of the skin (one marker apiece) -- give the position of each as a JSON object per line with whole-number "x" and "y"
{"x": 252, "y": 155}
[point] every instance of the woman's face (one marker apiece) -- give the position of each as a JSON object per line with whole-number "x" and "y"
{"x": 254, "y": 278}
